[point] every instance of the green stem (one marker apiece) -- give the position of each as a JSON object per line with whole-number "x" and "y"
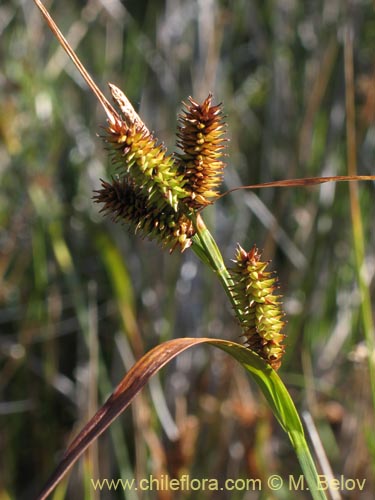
{"x": 207, "y": 250}
{"x": 355, "y": 208}
{"x": 277, "y": 395}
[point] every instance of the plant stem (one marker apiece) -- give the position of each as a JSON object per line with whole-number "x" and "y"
{"x": 205, "y": 247}
{"x": 355, "y": 208}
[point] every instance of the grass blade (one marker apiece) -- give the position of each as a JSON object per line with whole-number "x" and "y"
{"x": 267, "y": 379}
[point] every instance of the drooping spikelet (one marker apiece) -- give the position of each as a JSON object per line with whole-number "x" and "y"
{"x": 200, "y": 137}
{"x": 136, "y": 152}
{"x": 126, "y": 202}
{"x": 259, "y": 309}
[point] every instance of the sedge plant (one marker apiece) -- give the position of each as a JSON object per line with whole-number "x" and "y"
{"x": 162, "y": 196}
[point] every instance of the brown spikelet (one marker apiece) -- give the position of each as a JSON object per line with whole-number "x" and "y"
{"x": 260, "y": 314}
{"x": 200, "y": 137}
{"x": 126, "y": 202}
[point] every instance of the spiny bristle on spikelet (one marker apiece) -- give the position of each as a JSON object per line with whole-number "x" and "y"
{"x": 260, "y": 313}
{"x": 126, "y": 202}
{"x": 200, "y": 138}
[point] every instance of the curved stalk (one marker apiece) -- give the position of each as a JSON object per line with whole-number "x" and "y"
{"x": 207, "y": 250}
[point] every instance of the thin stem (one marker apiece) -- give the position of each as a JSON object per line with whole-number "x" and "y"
{"x": 207, "y": 250}
{"x": 304, "y": 182}
{"x": 107, "y": 106}
{"x": 355, "y": 209}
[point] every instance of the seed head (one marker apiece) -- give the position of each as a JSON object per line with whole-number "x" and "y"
{"x": 136, "y": 152}
{"x": 157, "y": 193}
{"x": 259, "y": 309}
{"x": 127, "y": 202}
{"x": 200, "y": 137}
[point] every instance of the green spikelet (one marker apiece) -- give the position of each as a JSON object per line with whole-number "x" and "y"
{"x": 200, "y": 137}
{"x": 126, "y": 202}
{"x": 135, "y": 152}
{"x": 259, "y": 309}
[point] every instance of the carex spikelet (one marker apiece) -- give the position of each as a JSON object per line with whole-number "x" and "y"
{"x": 259, "y": 309}
{"x": 125, "y": 201}
{"x": 136, "y": 152}
{"x": 200, "y": 138}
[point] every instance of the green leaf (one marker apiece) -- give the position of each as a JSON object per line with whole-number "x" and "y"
{"x": 282, "y": 406}
{"x": 267, "y": 379}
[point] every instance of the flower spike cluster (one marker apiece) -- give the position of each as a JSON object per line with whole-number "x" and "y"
{"x": 157, "y": 193}
{"x": 259, "y": 309}
{"x": 200, "y": 137}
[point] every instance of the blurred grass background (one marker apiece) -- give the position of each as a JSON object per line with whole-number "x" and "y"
{"x": 81, "y": 298}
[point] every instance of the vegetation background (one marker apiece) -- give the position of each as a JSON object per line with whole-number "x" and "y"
{"x": 81, "y": 298}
